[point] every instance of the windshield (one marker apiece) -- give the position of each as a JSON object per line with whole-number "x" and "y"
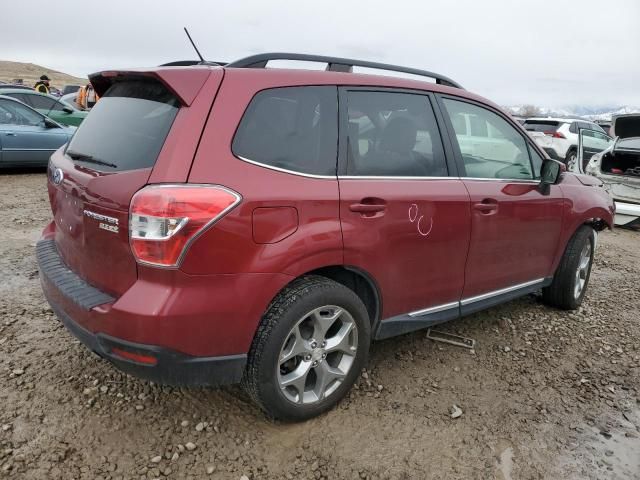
{"x": 629, "y": 143}
{"x": 126, "y": 128}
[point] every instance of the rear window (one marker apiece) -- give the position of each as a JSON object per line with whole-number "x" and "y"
{"x": 541, "y": 125}
{"x": 293, "y": 128}
{"x": 126, "y": 128}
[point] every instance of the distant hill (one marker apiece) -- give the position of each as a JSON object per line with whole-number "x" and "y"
{"x": 30, "y": 73}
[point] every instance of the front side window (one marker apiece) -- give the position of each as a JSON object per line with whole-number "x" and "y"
{"x": 537, "y": 161}
{"x": 293, "y": 128}
{"x": 393, "y": 134}
{"x": 490, "y": 146}
{"x": 13, "y": 113}
{"x": 592, "y": 126}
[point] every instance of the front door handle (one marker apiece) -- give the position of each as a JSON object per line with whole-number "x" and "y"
{"x": 487, "y": 206}
{"x": 11, "y": 134}
{"x": 365, "y": 208}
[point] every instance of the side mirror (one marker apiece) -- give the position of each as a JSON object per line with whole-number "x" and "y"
{"x": 67, "y": 110}
{"x": 550, "y": 174}
{"x": 48, "y": 123}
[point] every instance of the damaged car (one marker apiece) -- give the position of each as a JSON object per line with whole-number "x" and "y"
{"x": 617, "y": 165}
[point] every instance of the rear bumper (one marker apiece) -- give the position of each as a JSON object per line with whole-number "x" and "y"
{"x": 196, "y": 330}
{"x": 627, "y": 214}
{"x": 170, "y": 367}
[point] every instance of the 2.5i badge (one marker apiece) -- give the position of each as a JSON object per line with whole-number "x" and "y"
{"x": 107, "y": 223}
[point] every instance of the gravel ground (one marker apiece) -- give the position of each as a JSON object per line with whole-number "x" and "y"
{"x": 545, "y": 394}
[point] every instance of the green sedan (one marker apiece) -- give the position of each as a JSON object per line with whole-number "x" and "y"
{"x": 54, "y": 108}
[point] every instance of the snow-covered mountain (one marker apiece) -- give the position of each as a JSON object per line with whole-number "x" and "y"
{"x": 590, "y": 113}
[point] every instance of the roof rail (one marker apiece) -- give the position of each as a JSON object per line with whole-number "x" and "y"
{"x": 189, "y": 63}
{"x": 336, "y": 64}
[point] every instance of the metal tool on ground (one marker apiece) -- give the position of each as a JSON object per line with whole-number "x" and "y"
{"x": 444, "y": 337}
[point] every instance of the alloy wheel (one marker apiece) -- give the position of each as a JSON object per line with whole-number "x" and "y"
{"x": 583, "y": 270}
{"x": 317, "y": 354}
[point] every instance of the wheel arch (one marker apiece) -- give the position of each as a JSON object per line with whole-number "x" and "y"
{"x": 360, "y": 282}
{"x": 355, "y": 279}
{"x": 598, "y": 222}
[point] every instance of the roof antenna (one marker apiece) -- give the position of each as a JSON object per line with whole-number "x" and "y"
{"x": 194, "y": 45}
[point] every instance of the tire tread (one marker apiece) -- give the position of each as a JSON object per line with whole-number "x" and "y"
{"x": 291, "y": 294}
{"x": 560, "y": 293}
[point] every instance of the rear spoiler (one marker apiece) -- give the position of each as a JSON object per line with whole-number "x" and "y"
{"x": 184, "y": 83}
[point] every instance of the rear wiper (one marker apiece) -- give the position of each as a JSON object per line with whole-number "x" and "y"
{"x": 83, "y": 157}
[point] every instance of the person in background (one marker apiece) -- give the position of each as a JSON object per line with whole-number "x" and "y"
{"x": 42, "y": 85}
{"x": 87, "y": 97}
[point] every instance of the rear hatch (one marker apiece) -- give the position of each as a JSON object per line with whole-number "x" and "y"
{"x": 542, "y": 131}
{"x": 626, "y": 126}
{"x": 142, "y": 129}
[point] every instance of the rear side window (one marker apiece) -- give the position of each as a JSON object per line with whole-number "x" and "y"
{"x": 127, "y": 127}
{"x": 293, "y": 128}
{"x": 541, "y": 126}
{"x": 393, "y": 134}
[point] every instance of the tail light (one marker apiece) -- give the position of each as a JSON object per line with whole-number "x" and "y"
{"x": 165, "y": 219}
{"x": 555, "y": 134}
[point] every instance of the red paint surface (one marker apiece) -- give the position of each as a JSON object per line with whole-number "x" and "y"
{"x": 516, "y": 242}
{"x": 414, "y": 271}
{"x": 428, "y": 244}
{"x": 274, "y": 224}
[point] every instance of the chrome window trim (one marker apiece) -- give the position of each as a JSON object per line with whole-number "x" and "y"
{"x": 375, "y": 177}
{"x": 436, "y": 309}
{"x": 503, "y": 180}
{"x": 28, "y": 149}
{"x": 285, "y": 170}
{"x": 495, "y": 293}
{"x": 381, "y": 177}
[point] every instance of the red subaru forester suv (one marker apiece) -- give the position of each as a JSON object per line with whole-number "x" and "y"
{"x": 220, "y": 224}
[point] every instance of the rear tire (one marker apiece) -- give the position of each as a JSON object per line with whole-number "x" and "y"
{"x": 571, "y": 279}
{"x": 309, "y": 349}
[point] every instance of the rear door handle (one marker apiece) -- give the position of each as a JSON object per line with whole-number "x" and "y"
{"x": 487, "y": 206}
{"x": 369, "y": 207}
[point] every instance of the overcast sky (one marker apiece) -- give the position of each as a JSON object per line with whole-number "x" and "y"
{"x": 549, "y": 53}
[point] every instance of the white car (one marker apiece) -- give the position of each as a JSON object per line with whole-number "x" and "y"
{"x": 559, "y": 136}
{"x": 617, "y": 163}
{"x": 71, "y": 98}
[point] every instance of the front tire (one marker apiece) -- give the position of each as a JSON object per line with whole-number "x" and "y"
{"x": 571, "y": 279}
{"x": 571, "y": 159}
{"x": 308, "y": 350}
